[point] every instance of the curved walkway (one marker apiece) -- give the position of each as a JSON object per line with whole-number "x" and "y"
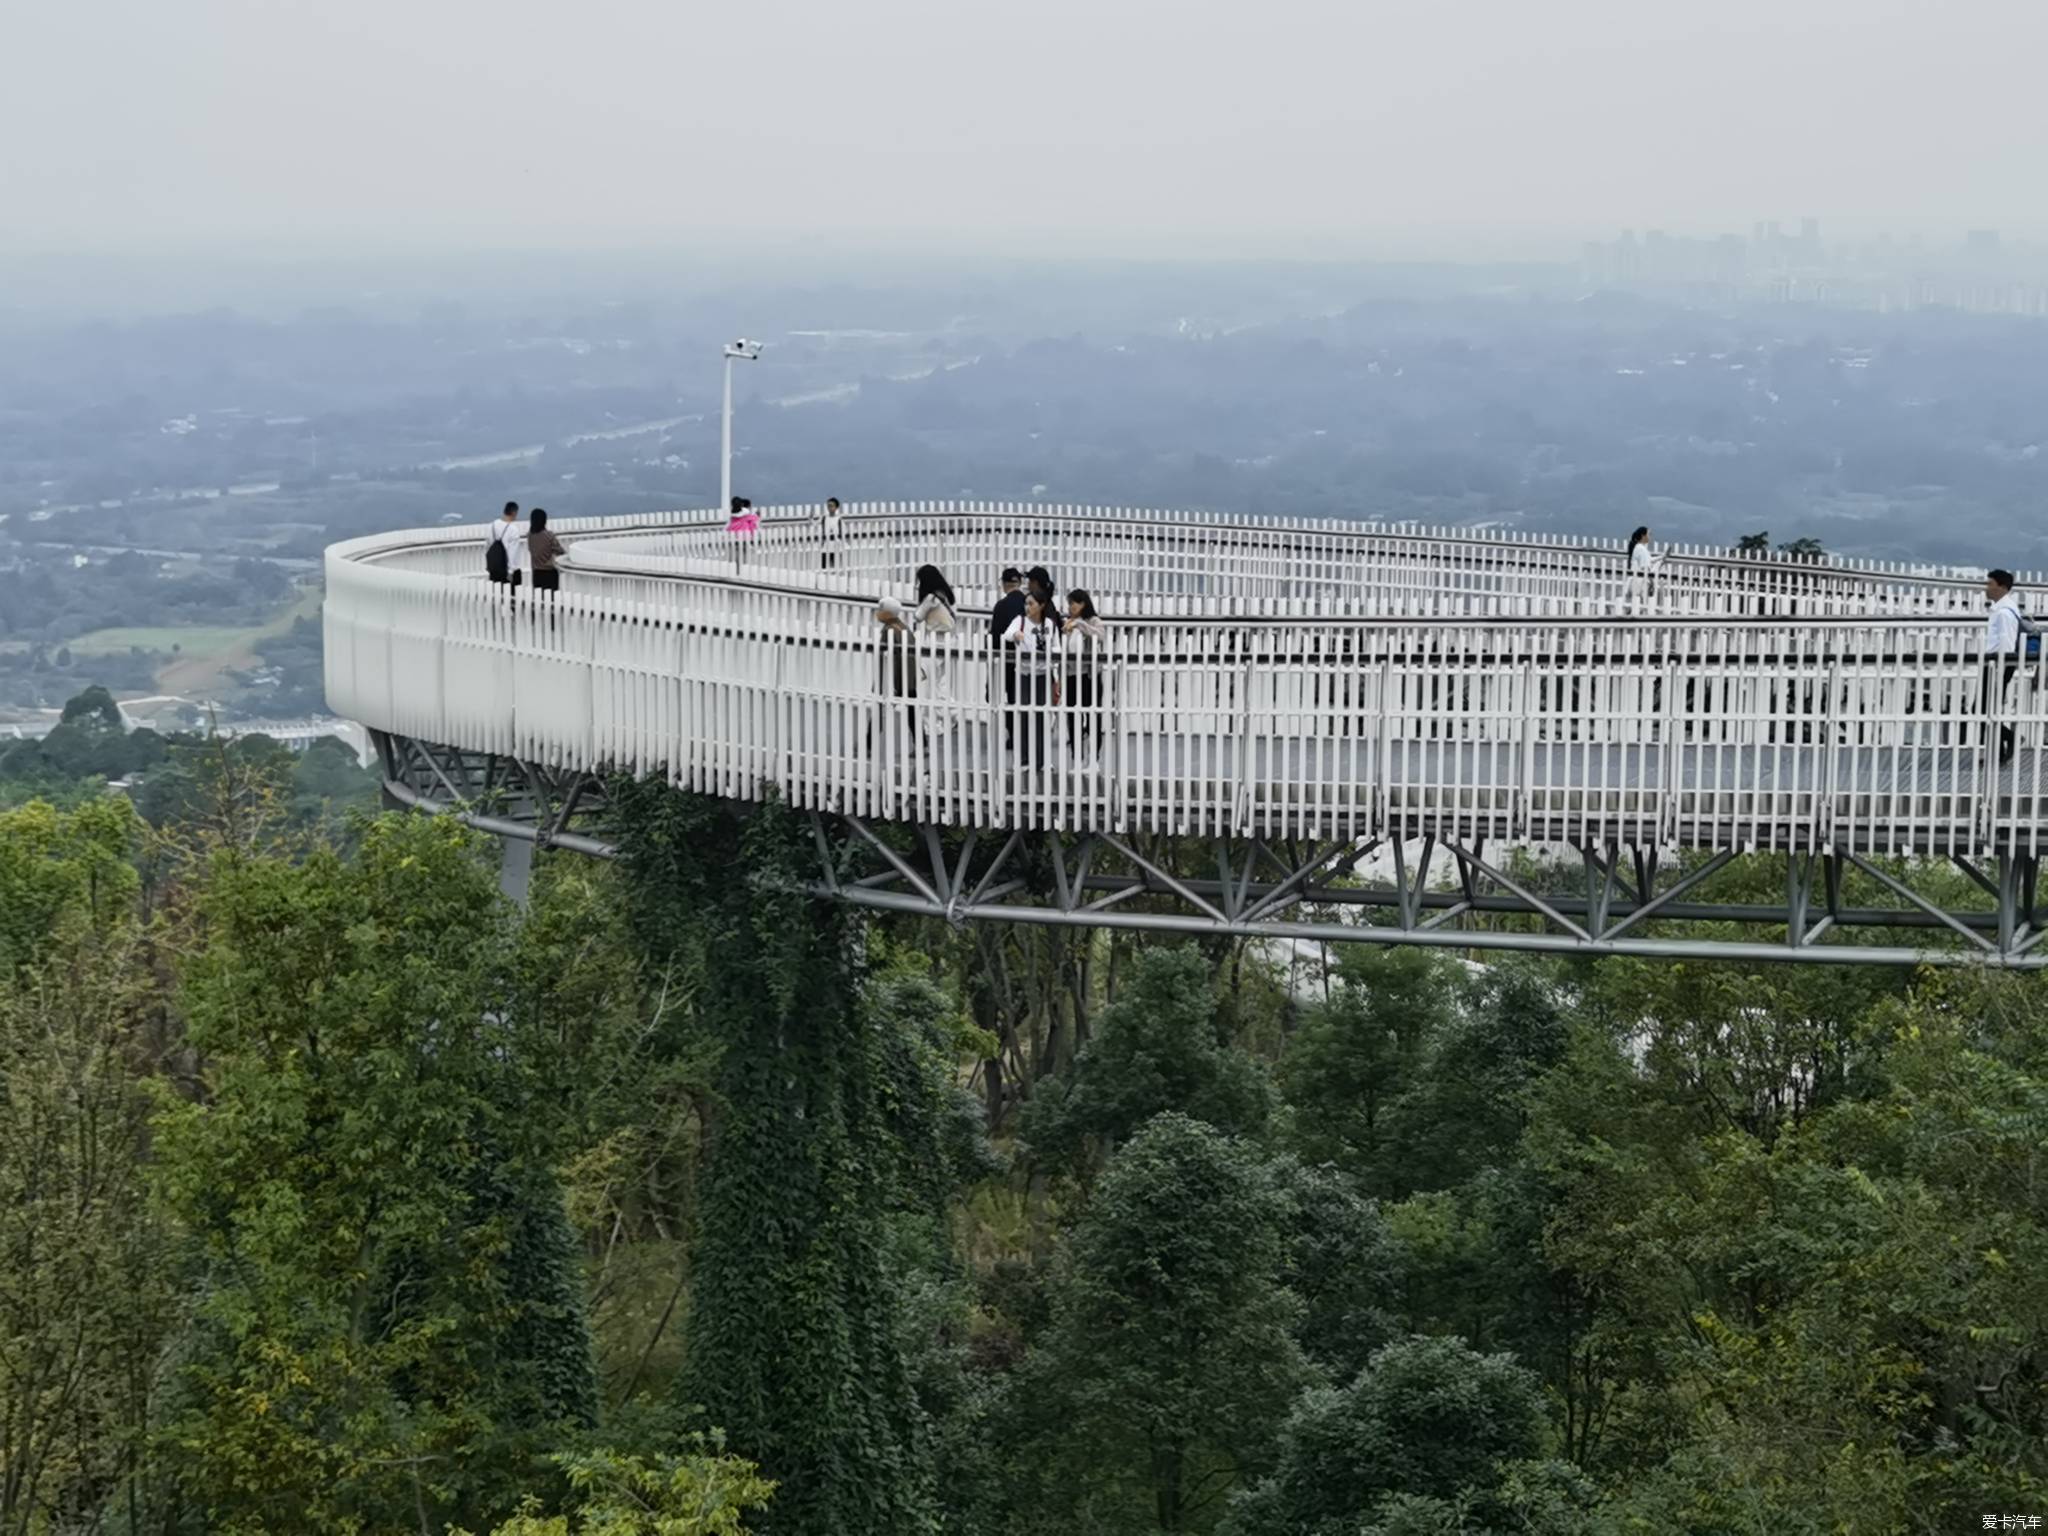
{"x": 1260, "y": 679}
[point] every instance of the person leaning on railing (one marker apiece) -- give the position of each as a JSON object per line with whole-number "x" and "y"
{"x": 934, "y": 613}
{"x": 544, "y": 553}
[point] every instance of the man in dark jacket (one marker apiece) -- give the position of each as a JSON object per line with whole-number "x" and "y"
{"x": 1009, "y": 608}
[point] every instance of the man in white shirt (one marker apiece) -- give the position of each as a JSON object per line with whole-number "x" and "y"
{"x": 505, "y": 555}
{"x": 2001, "y": 648}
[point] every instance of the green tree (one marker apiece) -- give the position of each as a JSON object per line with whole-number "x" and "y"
{"x": 1157, "y": 1047}
{"x": 1170, "y": 1355}
{"x": 1343, "y": 1262}
{"x": 63, "y": 874}
{"x": 1858, "y": 1306}
{"x": 94, "y": 709}
{"x": 327, "y": 782}
{"x": 701, "y": 1492}
{"x": 84, "y": 1302}
{"x": 1465, "y": 1106}
{"x": 1427, "y": 1418}
{"x": 615, "y": 1070}
{"x": 386, "y": 1316}
{"x": 1356, "y": 1055}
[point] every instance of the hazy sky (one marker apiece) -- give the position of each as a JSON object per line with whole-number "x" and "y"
{"x": 1118, "y": 126}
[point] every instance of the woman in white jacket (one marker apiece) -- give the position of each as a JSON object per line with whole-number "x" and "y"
{"x": 1643, "y": 565}
{"x": 1035, "y": 635}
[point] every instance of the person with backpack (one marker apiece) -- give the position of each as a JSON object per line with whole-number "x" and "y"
{"x": 505, "y": 552}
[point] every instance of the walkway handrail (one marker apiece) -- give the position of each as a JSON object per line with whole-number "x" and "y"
{"x": 1485, "y": 554}
{"x": 1868, "y": 732}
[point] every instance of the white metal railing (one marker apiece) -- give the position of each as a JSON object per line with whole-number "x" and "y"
{"x": 1864, "y": 733}
{"x": 1149, "y": 564}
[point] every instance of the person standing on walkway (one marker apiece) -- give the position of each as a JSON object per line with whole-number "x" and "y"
{"x": 1643, "y": 564}
{"x": 2001, "y": 652}
{"x": 1035, "y": 639}
{"x": 1081, "y": 638}
{"x": 936, "y": 614}
{"x": 505, "y": 554}
{"x": 899, "y": 660}
{"x": 544, "y": 553}
{"x": 1009, "y": 608}
{"x": 1038, "y": 582}
{"x": 828, "y": 535}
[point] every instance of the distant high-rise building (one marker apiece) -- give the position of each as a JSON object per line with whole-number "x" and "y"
{"x": 1981, "y": 242}
{"x": 1628, "y": 257}
{"x": 1729, "y": 260}
{"x": 1809, "y": 236}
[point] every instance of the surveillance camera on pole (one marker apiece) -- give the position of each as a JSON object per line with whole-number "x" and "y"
{"x": 746, "y": 351}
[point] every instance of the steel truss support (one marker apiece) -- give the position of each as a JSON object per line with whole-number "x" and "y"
{"x": 501, "y": 795}
{"x": 1108, "y": 882}
{"x": 1592, "y": 900}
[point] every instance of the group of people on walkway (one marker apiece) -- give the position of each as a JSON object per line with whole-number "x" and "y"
{"x": 1051, "y": 657}
{"x": 514, "y": 551}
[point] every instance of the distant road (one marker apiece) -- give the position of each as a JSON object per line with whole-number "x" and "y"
{"x": 264, "y": 488}
{"x": 286, "y": 562}
{"x": 535, "y": 450}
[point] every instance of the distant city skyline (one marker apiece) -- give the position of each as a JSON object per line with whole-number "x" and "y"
{"x": 1979, "y": 271}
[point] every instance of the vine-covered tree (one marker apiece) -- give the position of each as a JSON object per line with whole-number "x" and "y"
{"x": 794, "y": 1346}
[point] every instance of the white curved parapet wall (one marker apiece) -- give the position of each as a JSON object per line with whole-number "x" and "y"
{"x": 1263, "y": 678}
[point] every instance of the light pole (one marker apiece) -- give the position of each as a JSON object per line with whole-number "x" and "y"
{"x": 748, "y": 351}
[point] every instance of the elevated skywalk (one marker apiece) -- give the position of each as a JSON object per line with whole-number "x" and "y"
{"x": 1262, "y": 685}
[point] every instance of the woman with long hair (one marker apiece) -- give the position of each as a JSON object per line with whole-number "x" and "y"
{"x": 1081, "y": 637}
{"x": 937, "y": 615}
{"x": 543, "y": 552}
{"x": 934, "y": 598}
{"x": 1037, "y": 641}
{"x": 1643, "y": 563}
{"x": 1038, "y": 579}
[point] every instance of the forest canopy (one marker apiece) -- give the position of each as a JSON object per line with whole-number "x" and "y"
{"x": 338, "y": 1194}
